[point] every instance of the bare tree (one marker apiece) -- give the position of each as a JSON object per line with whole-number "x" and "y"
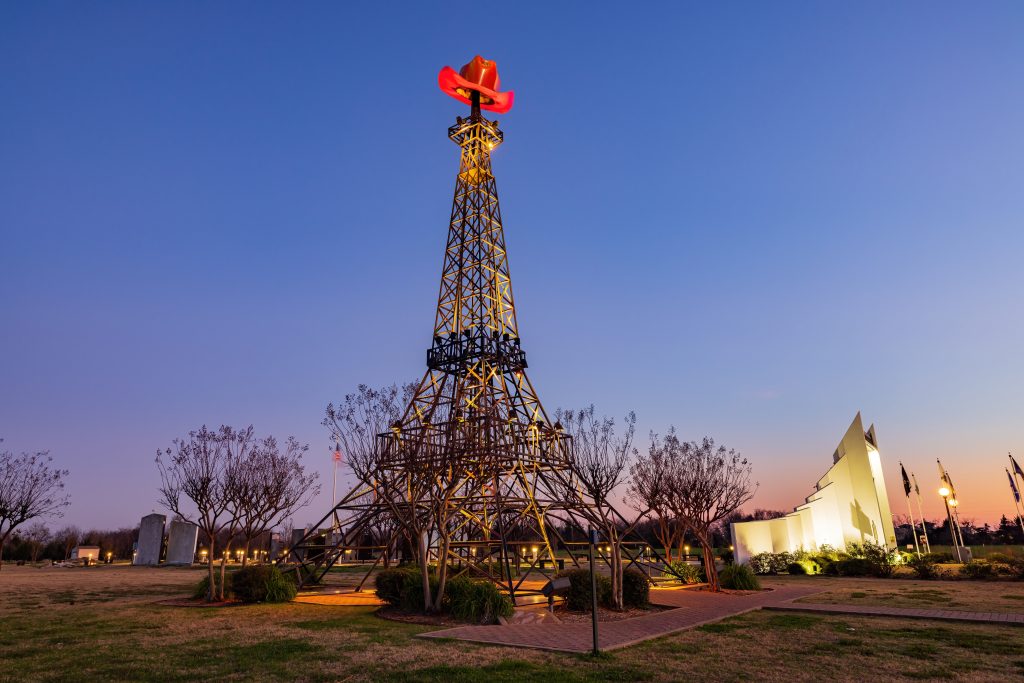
{"x": 355, "y": 424}
{"x": 359, "y": 418}
{"x": 602, "y": 461}
{"x": 708, "y": 485}
{"x": 274, "y": 485}
{"x": 649, "y": 488}
{"x": 199, "y": 482}
{"x": 37, "y": 536}
{"x": 67, "y": 538}
{"x": 29, "y": 488}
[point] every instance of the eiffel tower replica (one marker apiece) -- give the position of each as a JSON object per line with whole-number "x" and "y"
{"x": 474, "y": 473}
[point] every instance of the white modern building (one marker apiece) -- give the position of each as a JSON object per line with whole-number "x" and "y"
{"x": 849, "y": 505}
{"x": 88, "y": 553}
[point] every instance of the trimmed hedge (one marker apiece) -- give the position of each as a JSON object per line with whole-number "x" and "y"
{"x": 390, "y": 584}
{"x": 578, "y": 598}
{"x": 262, "y": 583}
{"x": 636, "y": 588}
{"x": 739, "y": 577}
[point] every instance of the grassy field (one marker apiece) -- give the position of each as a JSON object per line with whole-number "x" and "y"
{"x": 103, "y": 623}
{"x": 968, "y": 596}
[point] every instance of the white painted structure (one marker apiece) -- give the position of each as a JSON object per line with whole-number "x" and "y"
{"x": 90, "y": 553}
{"x": 181, "y": 543}
{"x": 849, "y": 505}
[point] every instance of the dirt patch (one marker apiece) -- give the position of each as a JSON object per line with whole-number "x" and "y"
{"x": 392, "y": 614}
{"x": 569, "y": 617}
{"x": 197, "y": 602}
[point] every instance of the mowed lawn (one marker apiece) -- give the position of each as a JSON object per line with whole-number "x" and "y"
{"x": 102, "y": 623}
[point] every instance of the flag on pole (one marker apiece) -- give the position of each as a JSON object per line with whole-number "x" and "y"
{"x": 1013, "y": 486}
{"x": 906, "y": 480}
{"x": 337, "y": 452}
{"x": 1016, "y": 468}
{"x": 917, "y": 489}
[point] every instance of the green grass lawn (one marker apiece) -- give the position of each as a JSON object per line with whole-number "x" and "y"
{"x": 103, "y": 624}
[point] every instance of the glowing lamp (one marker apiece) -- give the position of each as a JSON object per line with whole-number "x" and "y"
{"x": 944, "y": 492}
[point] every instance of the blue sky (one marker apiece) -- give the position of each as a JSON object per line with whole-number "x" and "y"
{"x": 747, "y": 220}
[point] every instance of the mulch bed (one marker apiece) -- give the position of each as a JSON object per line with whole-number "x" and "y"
{"x": 392, "y": 614}
{"x": 569, "y": 617}
{"x": 193, "y": 602}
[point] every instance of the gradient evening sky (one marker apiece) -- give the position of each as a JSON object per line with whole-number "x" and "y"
{"x": 749, "y": 220}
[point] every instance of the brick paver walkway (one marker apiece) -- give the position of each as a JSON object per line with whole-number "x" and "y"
{"x": 905, "y": 612}
{"x": 692, "y": 608}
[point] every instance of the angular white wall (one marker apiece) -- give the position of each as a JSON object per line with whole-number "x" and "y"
{"x": 849, "y": 505}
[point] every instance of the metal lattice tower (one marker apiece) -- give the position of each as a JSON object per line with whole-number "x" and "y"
{"x": 474, "y": 470}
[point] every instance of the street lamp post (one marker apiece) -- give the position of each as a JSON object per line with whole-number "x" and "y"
{"x": 945, "y": 493}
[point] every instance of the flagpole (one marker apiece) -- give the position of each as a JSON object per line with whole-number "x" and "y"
{"x": 913, "y": 529}
{"x": 1016, "y": 499}
{"x": 920, "y": 510}
{"x": 1013, "y": 482}
{"x": 906, "y": 492}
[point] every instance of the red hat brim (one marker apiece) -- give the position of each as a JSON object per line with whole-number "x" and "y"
{"x": 451, "y": 83}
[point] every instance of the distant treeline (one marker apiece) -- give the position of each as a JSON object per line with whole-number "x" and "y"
{"x": 36, "y": 543}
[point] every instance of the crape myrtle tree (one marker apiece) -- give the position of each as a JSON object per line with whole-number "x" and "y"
{"x": 602, "y": 462}
{"x": 30, "y": 487}
{"x": 274, "y": 485}
{"x": 227, "y": 480}
{"x": 649, "y": 488}
{"x": 707, "y": 484}
{"x": 200, "y": 482}
{"x": 355, "y": 423}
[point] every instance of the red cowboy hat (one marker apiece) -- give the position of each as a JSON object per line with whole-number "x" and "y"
{"x": 480, "y": 75}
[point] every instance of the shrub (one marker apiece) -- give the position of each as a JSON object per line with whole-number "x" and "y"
{"x": 761, "y": 563}
{"x": 402, "y": 587}
{"x": 476, "y": 600}
{"x": 578, "y": 598}
{"x": 203, "y": 587}
{"x": 803, "y": 567}
{"x": 636, "y": 588}
{"x": 728, "y": 557}
{"x": 390, "y": 584}
{"x": 854, "y": 566}
{"x": 942, "y": 558}
{"x": 1015, "y": 567}
{"x": 880, "y": 560}
{"x": 924, "y": 566}
{"x": 779, "y": 562}
{"x": 688, "y": 573}
{"x": 739, "y": 577}
{"x": 262, "y": 583}
{"x": 977, "y": 570}
{"x": 1000, "y": 558}
{"x": 771, "y": 563}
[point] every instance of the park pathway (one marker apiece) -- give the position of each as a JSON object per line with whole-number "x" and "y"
{"x": 691, "y": 608}
{"x": 1012, "y": 618}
